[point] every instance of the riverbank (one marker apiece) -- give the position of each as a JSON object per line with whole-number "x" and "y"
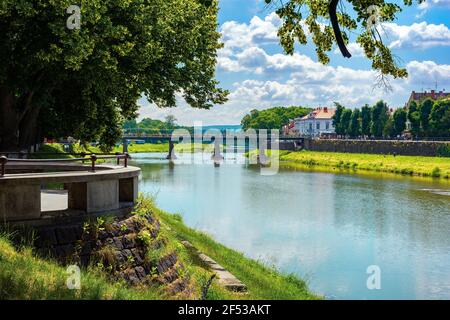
{"x": 26, "y": 275}
{"x": 56, "y": 150}
{"x": 434, "y": 167}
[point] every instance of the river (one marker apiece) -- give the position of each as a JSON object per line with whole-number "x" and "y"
{"x": 327, "y": 228}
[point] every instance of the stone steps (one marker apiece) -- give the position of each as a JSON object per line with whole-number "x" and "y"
{"x": 225, "y": 278}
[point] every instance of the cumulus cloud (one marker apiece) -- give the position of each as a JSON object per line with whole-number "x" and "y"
{"x": 428, "y": 4}
{"x": 256, "y": 32}
{"x": 270, "y": 79}
{"x": 418, "y": 35}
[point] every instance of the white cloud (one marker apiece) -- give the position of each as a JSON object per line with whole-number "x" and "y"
{"x": 257, "y": 32}
{"x": 312, "y": 84}
{"x": 270, "y": 79}
{"x": 418, "y": 35}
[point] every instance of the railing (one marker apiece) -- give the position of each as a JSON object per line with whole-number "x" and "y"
{"x": 93, "y": 158}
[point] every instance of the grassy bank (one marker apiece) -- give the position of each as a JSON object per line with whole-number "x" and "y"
{"x": 435, "y": 167}
{"x": 25, "y": 275}
{"x": 57, "y": 150}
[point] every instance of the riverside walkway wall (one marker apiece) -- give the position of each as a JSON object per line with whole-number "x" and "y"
{"x": 407, "y": 148}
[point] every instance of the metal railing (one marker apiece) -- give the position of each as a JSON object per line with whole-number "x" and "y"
{"x": 92, "y": 158}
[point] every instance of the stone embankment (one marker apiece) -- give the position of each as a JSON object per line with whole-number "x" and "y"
{"x": 125, "y": 248}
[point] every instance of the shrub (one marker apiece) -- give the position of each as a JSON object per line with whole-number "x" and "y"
{"x": 436, "y": 173}
{"x": 444, "y": 150}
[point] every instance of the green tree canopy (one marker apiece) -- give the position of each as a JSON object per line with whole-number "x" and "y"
{"x": 414, "y": 118}
{"x": 273, "y": 118}
{"x": 84, "y": 82}
{"x": 440, "y": 118}
{"x": 345, "y": 121}
{"x": 354, "y": 129}
{"x": 425, "y": 110}
{"x": 325, "y": 21}
{"x": 399, "y": 122}
{"x": 379, "y": 116}
{"x": 365, "y": 120}
{"x": 340, "y": 130}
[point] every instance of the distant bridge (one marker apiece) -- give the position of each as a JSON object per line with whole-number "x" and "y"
{"x": 167, "y": 136}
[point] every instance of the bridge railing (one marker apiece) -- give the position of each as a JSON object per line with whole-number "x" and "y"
{"x": 93, "y": 158}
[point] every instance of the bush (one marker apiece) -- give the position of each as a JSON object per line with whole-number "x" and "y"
{"x": 444, "y": 150}
{"x": 436, "y": 173}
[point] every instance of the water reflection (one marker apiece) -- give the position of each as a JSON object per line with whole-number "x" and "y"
{"x": 326, "y": 227}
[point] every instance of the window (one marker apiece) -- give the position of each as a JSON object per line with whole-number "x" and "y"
{"x": 327, "y": 125}
{"x": 318, "y": 126}
{"x": 310, "y": 127}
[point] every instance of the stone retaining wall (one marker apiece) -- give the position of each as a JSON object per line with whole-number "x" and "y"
{"x": 118, "y": 248}
{"x": 407, "y": 148}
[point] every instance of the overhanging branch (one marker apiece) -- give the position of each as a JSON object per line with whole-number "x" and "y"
{"x": 332, "y": 7}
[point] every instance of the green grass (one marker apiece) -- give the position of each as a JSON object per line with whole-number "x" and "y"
{"x": 25, "y": 276}
{"x": 263, "y": 282}
{"x": 59, "y": 152}
{"x": 436, "y": 167}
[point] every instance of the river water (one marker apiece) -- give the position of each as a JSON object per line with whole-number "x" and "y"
{"x": 327, "y": 228}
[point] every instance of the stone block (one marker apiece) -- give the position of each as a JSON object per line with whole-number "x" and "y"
{"x": 21, "y": 202}
{"x": 102, "y": 195}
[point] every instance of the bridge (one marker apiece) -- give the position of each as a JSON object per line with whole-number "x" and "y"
{"x": 218, "y": 137}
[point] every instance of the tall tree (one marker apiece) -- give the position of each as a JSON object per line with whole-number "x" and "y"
{"x": 414, "y": 118}
{"x": 399, "y": 119}
{"x": 440, "y": 118}
{"x": 340, "y": 130}
{"x": 325, "y": 21}
{"x": 380, "y": 115}
{"x": 355, "y": 124}
{"x": 170, "y": 121}
{"x": 345, "y": 121}
{"x": 365, "y": 120}
{"x": 389, "y": 129}
{"x": 425, "y": 110}
{"x": 56, "y": 81}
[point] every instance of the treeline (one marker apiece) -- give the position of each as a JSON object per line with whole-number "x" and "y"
{"x": 152, "y": 126}
{"x": 273, "y": 118}
{"x": 428, "y": 119}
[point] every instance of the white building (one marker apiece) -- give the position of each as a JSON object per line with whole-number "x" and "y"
{"x": 317, "y": 122}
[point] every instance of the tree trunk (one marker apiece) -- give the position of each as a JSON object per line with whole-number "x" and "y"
{"x": 9, "y": 121}
{"x": 18, "y": 129}
{"x": 28, "y": 128}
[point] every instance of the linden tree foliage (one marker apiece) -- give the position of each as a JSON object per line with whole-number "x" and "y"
{"x": 84, "y": 82}
{"x": 329, "y": 24}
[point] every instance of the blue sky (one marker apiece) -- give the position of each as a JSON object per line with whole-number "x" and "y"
{"x": 257, "y": 73}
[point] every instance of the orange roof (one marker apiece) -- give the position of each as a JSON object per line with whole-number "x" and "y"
{"x": 321, "y": 113}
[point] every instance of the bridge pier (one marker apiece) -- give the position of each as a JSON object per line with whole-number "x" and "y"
{"x": 171, "y": 155}
{"x": 217, "y": 157}
{"x": 124, "y": 145}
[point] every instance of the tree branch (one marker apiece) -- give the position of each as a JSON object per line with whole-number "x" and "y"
{"x": 332, "y": 7}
